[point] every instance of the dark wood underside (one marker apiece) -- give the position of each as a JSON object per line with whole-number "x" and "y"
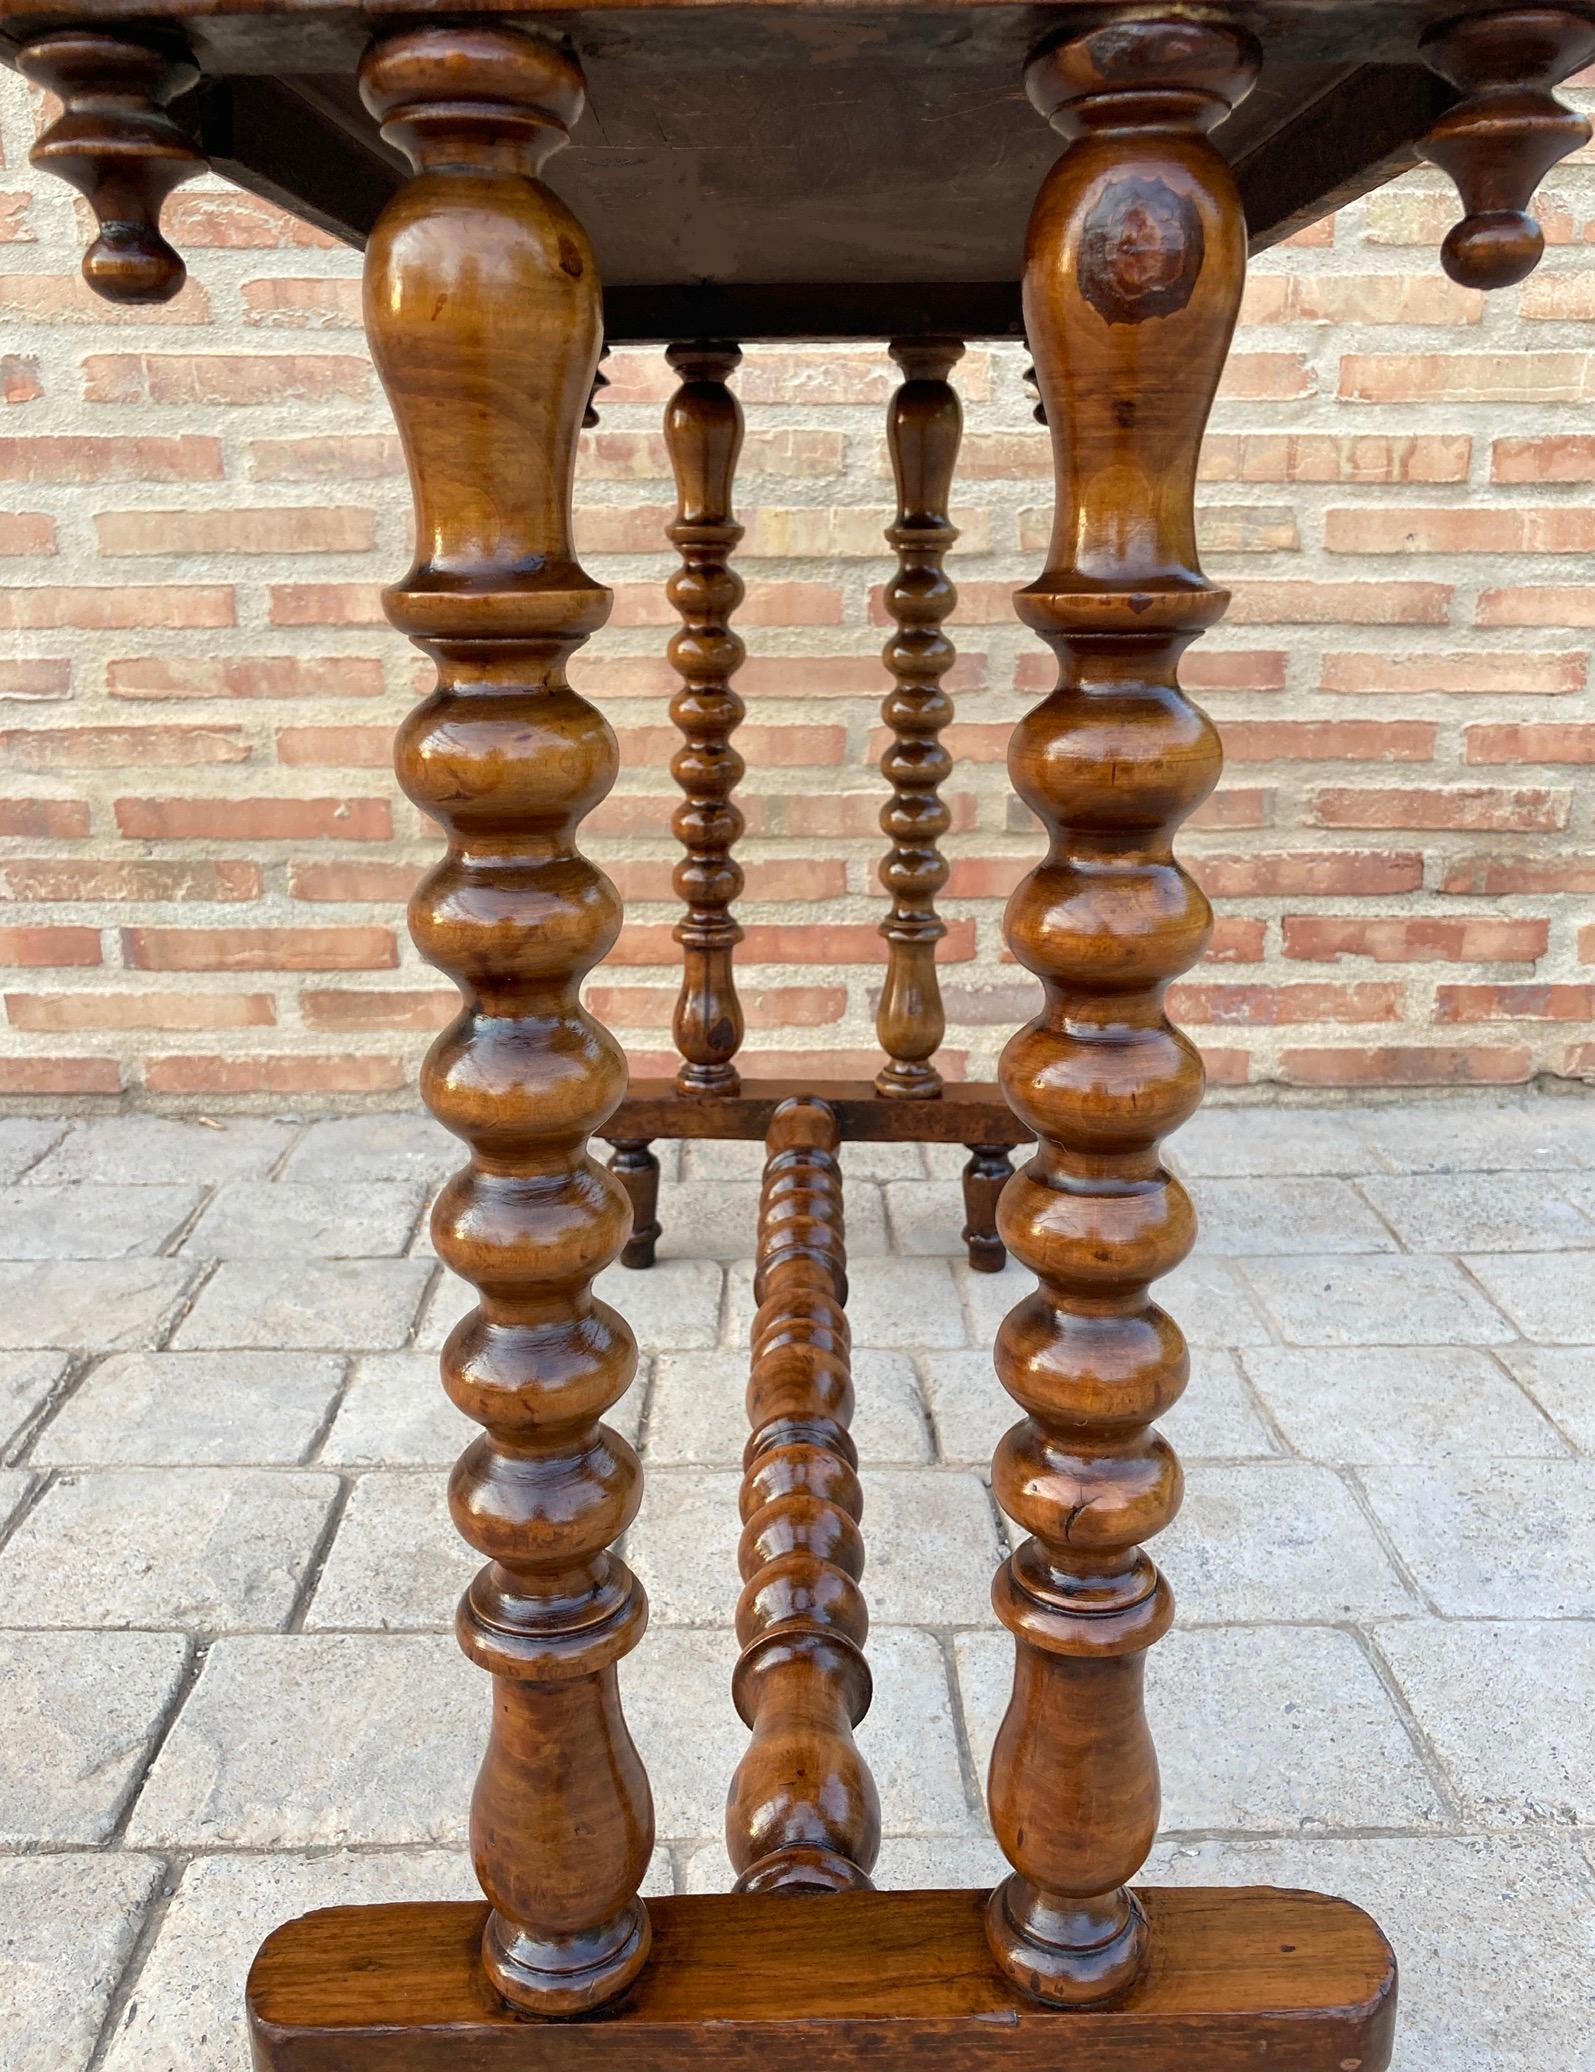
{"x": 1239, "y": 1980}
{"x": 887, "y": 195}
{"x": 972, "y": 1112}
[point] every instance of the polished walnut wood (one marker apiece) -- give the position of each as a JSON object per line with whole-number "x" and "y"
{"x": 1506, "y": 134}
{"x": 923, "y": 427}
{"x": 803, "y": 1815}
{"x": 970, "y": 1112}
{"x": 986, "y": 1174}
{"x": 1245, "y": 1979}
{"x": 703, "y": 431}
{"x": 1133, "y": 275}
{"x": 115, "y": 142}
{"x": 482, "y": 309}
{"x": 637, "y": 1169}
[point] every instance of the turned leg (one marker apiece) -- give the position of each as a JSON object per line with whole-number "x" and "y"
{"x": 802, "y": 1815}
{"x": 703, "y": 430}
{"x": 1133, "y": 272}
{"x": 637, "y": 1170}
{"x": 923, "y": 427}
{"x": 482, "y": 310}
{"x": 985, "y": 1176}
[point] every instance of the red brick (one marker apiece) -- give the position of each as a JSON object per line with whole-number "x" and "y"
{"x": 1227, "y": 1067}
{"x": 1406, "y": 529}
{"x": 260, "y": 676}
{"x": 228, "y": 881}
{"x": 240, "y": 378}
{"x": 232, "y": 221}
{"x": 1278, "y": 1006}
{"x": 1237, "y": 939}
{"x": 770, "y": 1007}
{"x": 1421, "y": 939}
{"x": 255, "y": 820}
{"x": 1335, "y": 457}
{"x": 294, "y": 1073}
{"x": 1535, "y": 604}
{"x": 117, "y": 748}
{"x": 1203, "y": 669}
{"x": 793, "y": 747}
{"x": 384, "y": 884}
{"x": 117, "y": 605}
{"x": 1558, "y": 297}
{"x": 332, "y": 1009}
{"x": 1493, "y": 877}
{"x": 1477, "y": 808}
{"x": 26, "y": 532}
{"x": 1564, "y": 457}
{"x": 260, "y": 949}
{"x": 186, "y": 458}
{"x": 1348, "y": 298}
{"x": 790, "y": 879}
{"x": 1499, "y": 377}
{"x": 44, "y": 820}
{"x": 351, "y": 457}
{"x": 55, "y": 298}
{"x": 283, "y": 303}
{"x": 1266, "y": 378}
{"x": 1514, "y": 1003}
{"x": 1503, "y": 674}
{"x": 362, "y": 748}
{"x": 1409, "y": 1065}
{"x": 51, "y": 1013}
{"x": 1236, "y": 806}
{"x": 56, "y": 1075}
{"x": 35, "y": 678}
{"x": 325, "y": 604}
{"x": 1308, "y": 873}
{"x": 1532, "y": 742}
{"x": 280, "y": 530}
{"x": 1329, "y": 740}
{"x": 49, "y": 946}
{"x": 1346, "y": 604}
{"x": 19, "y": 378}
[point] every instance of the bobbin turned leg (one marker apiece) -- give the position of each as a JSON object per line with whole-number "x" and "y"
{"x": 1133, "y": 272}
{"x": 703, "y": 430}
{"x": 482, "y": 309}
{"x": 923, "y": 428}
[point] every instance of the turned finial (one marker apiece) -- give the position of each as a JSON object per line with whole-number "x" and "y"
{"x": 1504, "y": 136}
{"x": 116, "y": 144}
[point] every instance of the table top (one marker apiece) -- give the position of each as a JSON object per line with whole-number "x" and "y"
{"x": 792, "y": 168}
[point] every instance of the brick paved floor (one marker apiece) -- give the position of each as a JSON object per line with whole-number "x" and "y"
{"x": 226, "y": 1574}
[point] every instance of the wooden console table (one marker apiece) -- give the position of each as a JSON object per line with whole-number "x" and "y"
{"x": 778, "y": 169}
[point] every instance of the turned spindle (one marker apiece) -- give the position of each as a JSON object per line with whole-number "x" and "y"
{"x": 1504, "y": 136}
{"x": 703, "y": 431}
{"x": 637, "y": 1169}
{"x": 1132, "y": 280}
{"x": 802, "y": 1815}
{"x": 923, "y": 426}
{"x": 986, "y": 1174}
{"x": 482, "y": 308}
{"x": 115, "y": 142}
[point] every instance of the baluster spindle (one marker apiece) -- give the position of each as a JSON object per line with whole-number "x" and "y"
{"x": 923, "y": 426}
{"x": 802, "y": 1814}
{"x": 703, "y": 430}
{"x": 1133, "y": 272}
{"x": 482, "y": 308}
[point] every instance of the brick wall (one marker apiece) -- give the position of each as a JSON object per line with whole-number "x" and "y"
{"x": 204, "y": 855}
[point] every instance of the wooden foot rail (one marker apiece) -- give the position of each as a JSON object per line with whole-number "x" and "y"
{"x": 802, "y": 1815}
